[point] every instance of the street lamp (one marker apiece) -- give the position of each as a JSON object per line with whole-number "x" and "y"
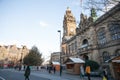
{"x": 22, "y": 55}
{"x": 21, "y": 60}
{"x": 60, "y": 53}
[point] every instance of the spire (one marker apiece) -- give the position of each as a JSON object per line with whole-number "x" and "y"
{"x": 68, "y": 12}
{"x": 68, "y": 9}
{"x": 93, "y": 14}
{"x": 69, "y": 23}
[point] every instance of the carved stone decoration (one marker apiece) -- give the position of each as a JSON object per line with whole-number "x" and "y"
{"x": 83, "y": 21}
{"x": 69, "y": 24}
{"x": 89, "y": 21}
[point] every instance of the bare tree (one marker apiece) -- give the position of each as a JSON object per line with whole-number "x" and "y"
{"x": 100, "y": 5}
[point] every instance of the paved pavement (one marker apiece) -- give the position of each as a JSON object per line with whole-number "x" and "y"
{"x": 1, "y": 78}
{"x": 65, "y": 76}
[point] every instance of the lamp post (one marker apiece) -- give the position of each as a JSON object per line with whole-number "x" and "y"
{"x": 22, "y": 55}
{"x": 60, "y": 53}
{"x": 21, "y": 60}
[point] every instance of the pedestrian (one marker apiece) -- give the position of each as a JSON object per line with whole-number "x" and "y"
{"x": 27, "y": 73}
{"x": 19, "y": 67}
{"x": 54, "y": 69}
{"x": 24, "y": 67}
{"x": 82, "y": 73}
{"x": 105, "y": 77}
{"x": 37, "y": 68}
{"x": 88, "y": 72}
{"x": 47, "y": 68}
{"x": 61, "y": 70}
{"x": 50, "y": 68}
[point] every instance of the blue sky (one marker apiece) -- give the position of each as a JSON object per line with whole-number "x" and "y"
{"x": 34, "y": 22}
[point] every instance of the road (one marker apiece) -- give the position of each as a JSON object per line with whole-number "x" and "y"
{"x": 12, "y": 75}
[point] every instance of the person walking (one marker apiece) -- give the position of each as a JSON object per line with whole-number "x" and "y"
{"x": 54, "y": 69}
{"x": 82, "y": 73}
{"x": 24, "y": 67}
{"x": 105, "y": 77}
{"x": 27, "y": 73}
{"x": 50, "y": 69}
{"x": 88, "y": 72}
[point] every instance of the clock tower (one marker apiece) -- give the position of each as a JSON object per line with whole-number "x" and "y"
{"x": 69, "y": 24}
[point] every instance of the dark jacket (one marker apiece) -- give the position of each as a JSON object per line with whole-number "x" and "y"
{"x": 27, "y": 72}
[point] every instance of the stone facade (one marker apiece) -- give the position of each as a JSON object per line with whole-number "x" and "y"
{"x": 69, "y": 30}
{"x": 55, "y": 56}
{"x": 12, "y": 54}
{"x": 86, "y": 38}
{"x": 108, "y": 37}
{"x": 97, "y": 40}
{"x": 69, "y": 24}
{"x": 83, "y": 42}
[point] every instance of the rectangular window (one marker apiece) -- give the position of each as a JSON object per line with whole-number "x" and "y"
{"x": 114, "y": 31}
{"x": 75, "y": 45}
{"x": 101, "y": 36}
{"x": 69, "y": 49}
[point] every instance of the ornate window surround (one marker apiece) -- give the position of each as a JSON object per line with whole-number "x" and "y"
{"x": 101, "y": 36}
{"x": 114, "y": 29}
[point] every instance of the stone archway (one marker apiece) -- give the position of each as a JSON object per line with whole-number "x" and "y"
{"x": 86, "y": 57}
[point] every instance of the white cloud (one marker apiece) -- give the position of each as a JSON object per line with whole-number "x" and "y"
{"x": 43, "y": 24}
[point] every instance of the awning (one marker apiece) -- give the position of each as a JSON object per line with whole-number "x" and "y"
{"x": 55, "y": 63}
{"x": 114, "y": 59}
{"x": 117, "y": 61}
{"x": 72, "y": 60}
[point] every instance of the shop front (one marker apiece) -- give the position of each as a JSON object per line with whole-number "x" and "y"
{"x": 116, "y": 67}
{"x": 56, "y": 65}
{"x": 73, "y": 65}
{"x": 115, "y": 62}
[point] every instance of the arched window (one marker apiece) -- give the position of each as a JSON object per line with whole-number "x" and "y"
{"x": 101, "y": 36}
{"x": 114, "y": 29}
{"x": 84, "y": 43}
{"x": 106, "y": 56}
{"x": 85, "y": 57}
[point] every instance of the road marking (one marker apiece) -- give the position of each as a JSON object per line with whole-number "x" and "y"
{"x": 2, "y": 78}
